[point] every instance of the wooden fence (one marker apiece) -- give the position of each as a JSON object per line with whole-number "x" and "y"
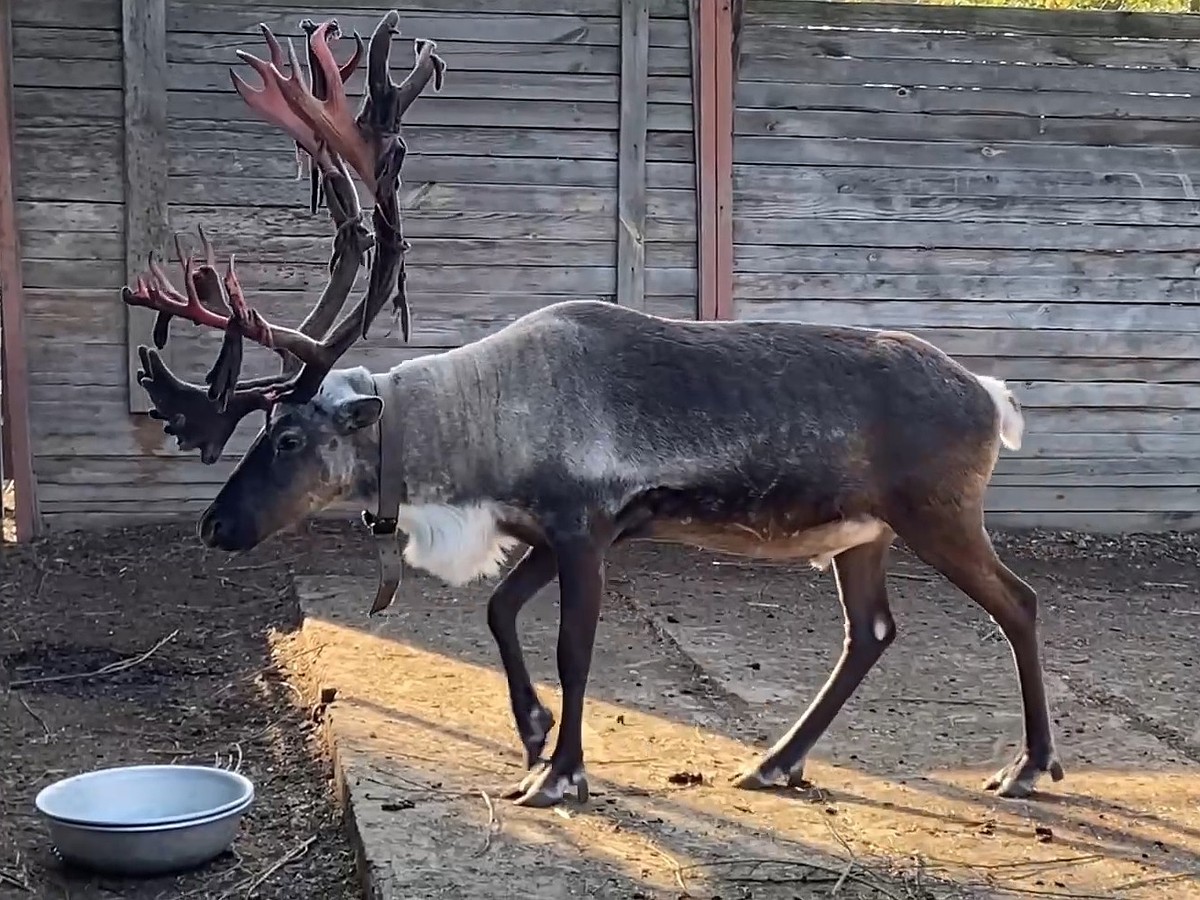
{"x": 1011, "y": 185}
{"x": 1017, "y": 186}
{"x": 127, "y": 127}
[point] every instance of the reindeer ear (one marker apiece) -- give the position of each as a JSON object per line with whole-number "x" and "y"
{"x": 357, "y": 413}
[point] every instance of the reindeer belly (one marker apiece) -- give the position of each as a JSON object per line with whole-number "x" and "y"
{"x": 771, "y": 538}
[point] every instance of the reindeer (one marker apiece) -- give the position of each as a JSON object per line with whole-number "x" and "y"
{"x": 584, "y": 425}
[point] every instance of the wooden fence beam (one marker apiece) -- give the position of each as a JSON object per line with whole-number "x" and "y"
{"x": 144, "y": 60}
{"x": 631, "y": 165}
{"x": 15, "y": 375}
{"x": 723, "y": 52}
{"x": 712, "y": 85}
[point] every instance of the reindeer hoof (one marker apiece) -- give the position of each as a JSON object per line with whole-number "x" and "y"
{"x": 767, "y": 773}
{"x": 1017, "y": 780}
{"x": 534, "y": 731}
{"x": 545, "y": 788}
{"x": 754, "y": 779}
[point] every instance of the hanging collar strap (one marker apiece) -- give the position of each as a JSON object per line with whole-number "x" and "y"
{"x": 392, "y": 493}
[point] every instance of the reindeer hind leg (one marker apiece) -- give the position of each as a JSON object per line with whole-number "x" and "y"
{"x": 954, "y": 541}
{"x": 862, "y": 589}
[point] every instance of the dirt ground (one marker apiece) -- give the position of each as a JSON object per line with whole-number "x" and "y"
{"x": 211, "y": 693}
{"x": 701, "y": 662}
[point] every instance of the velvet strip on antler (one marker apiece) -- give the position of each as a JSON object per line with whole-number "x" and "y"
{"x": 314, "y": 112}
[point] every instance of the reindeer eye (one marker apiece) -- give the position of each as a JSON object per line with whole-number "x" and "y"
{"x": 288, "y": 443}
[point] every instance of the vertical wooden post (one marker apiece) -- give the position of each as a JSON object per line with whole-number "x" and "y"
{"x": 712, "y": 92}
{"x": 631, "y": 166}
{"x": 15, "y": 373}
{"x": 144, "y": 59}
{"x": 723, "y": 85}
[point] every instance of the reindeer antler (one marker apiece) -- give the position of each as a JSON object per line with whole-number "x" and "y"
{"x": 315, "y": 115}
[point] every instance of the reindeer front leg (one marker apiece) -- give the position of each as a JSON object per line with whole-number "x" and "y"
{"x": 581, "y": 587}
{"x": 535, "y": 570}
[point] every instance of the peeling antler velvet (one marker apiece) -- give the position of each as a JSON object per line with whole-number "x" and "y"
{"x": 314, "y": 110}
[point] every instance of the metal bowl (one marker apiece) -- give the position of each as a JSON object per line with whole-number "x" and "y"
{"x": 140, "y": 796}
{"x": 147, "y": 850}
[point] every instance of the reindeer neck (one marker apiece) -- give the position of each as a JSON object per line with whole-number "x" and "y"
{"x": 438, "y": 419}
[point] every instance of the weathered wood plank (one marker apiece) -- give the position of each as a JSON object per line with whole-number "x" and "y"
{"x": 1175, "y": 499}
{"x": 237, "y": 20}
{"x": 812, "y": 69}
{"x": 104, "y": 140}
{"x": 1097, "y": 472}
{"x": 498, "y": 83}
{"x": 1067, "y": 420}
{"x": 417, "y": 197}
{"x": 447, "y": 168}
{"x": 286, "y": 248}
{"x": 1034, "y": 210}
{"x": 951, "y": 261}
{"x": 960, "y": 235}
{"x": 479, "y": 224}
{"x": 442, "y": 111}
{"x": 882, "y": 126}
{"x": 69, "y": 14}
{"x": 71, "y": 245}
{"x": 433, "y": 197}
{"x": 1067, "y": 368}
{"x": 956, "y": 313}
{"x": 68, "y": 274}
{"x": 660, "y": 8}
{"x": 1097, "y": 522}
{"x": 783, "y": 42}
{"x": 1109, "y": 395}
{"x": 503, "y": 85}
{"x": 66, "y": 105}
{"x": 34, "y": 74}
{"x": 55, "y": 72}
{"x": 62, "y": 173}
{"x": 466, "y": 141}
{"x": 964, "y": 101}
{"x": 47, "y": 42}
{"x": 1024, "y": 342}
{"x": 963, "y": 155}
{"x": 500, "y": 142}
{"x": 88, "y": 217}
{"x": 631, "y": 277}
{"x": 973, "y": 19}
{"x": 88, "y": 105}
{"x": 466, "y": 56}
{"x": 74, "y": 343}
{"x": 782, "y": 287}
{"x": 74, "y": 366}
{"x": 903, "y": 180}
{"x": 144, "y": 58}
{"x": 218, "y": 19}
{"x": 71, "y": 187}
{"x": 290, "y": 278}
{"x": 428, "y": 166}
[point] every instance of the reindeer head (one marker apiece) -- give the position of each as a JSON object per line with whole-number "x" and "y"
{"x": 309, "y": 452}
{"x": 308, "y": 456}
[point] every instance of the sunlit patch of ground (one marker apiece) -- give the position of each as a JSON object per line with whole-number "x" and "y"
{"x": 421, "y": 726}
{"x": 8, "y": 512}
